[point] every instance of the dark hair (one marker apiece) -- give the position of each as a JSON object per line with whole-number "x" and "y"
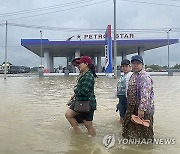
{"x": 75, "y": 60}
{"x": 92, "y": 69}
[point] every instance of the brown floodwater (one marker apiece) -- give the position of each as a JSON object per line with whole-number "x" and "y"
{"x": 32, "y": 117}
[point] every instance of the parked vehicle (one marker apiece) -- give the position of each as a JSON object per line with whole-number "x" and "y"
{"x": 18, "y": 69}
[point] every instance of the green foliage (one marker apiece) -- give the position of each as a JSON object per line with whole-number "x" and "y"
{"x": 154, "y": 67}
{"x": 177, "y": 66}
{"x": 158, "y": 68}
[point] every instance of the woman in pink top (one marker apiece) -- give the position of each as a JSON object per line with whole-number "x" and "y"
{"x": 140, "y": 101}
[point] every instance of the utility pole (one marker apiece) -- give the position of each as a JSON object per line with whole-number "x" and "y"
{"x": 5, "y": 68}
{"x": 41, "y": 47}
{"x": 168, "y": 50}
{"x": 115, "y": 43}
{"x": 41, "y": 67}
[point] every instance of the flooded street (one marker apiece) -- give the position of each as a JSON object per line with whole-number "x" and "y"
{"x": 32, "y": 117}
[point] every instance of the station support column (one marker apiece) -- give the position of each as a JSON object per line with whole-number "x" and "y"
{"x": 48, "y": 61}
{"x": 77, "y": 55}
{"x": 141, "y": 53}
{"x": 99, "y": 62}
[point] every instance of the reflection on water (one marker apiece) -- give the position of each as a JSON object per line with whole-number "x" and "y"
{"x": 32, "y": 117}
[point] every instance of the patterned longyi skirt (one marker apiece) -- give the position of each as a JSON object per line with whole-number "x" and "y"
{"x": 132, "y": 130}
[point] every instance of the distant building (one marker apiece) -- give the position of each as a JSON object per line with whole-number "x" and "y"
{"x": 11, "y": 69}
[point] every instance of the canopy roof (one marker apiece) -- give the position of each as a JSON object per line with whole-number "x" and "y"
{"x": 92, "y": 47}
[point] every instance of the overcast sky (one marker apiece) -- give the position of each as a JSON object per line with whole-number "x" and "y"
{"x": 131, "y": 14}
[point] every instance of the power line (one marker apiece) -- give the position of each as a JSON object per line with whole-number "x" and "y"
{"x": 53, "y": 28}
{"x": 152, "y": 30}
{"x": 83, "y": 29}
{"x": 151, "y": 3}
{"x": 175, "y": 0}
{"x": 79, "y": 2}
{"x": 75, "y": 3}
{"x": 58, "y": 11}
{"x": 67, "y": 4}
{"x": 44, "y": 8}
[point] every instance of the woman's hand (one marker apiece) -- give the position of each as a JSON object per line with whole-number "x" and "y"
{"x": 140, "y": 114}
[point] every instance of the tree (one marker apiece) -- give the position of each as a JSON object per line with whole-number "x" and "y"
{"x": 155, "y": 67}
{"x": 177, "y": 66}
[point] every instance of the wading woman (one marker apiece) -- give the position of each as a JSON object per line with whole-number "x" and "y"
{"x": 84, "y": 92}
{"x": 138, "y": 120}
